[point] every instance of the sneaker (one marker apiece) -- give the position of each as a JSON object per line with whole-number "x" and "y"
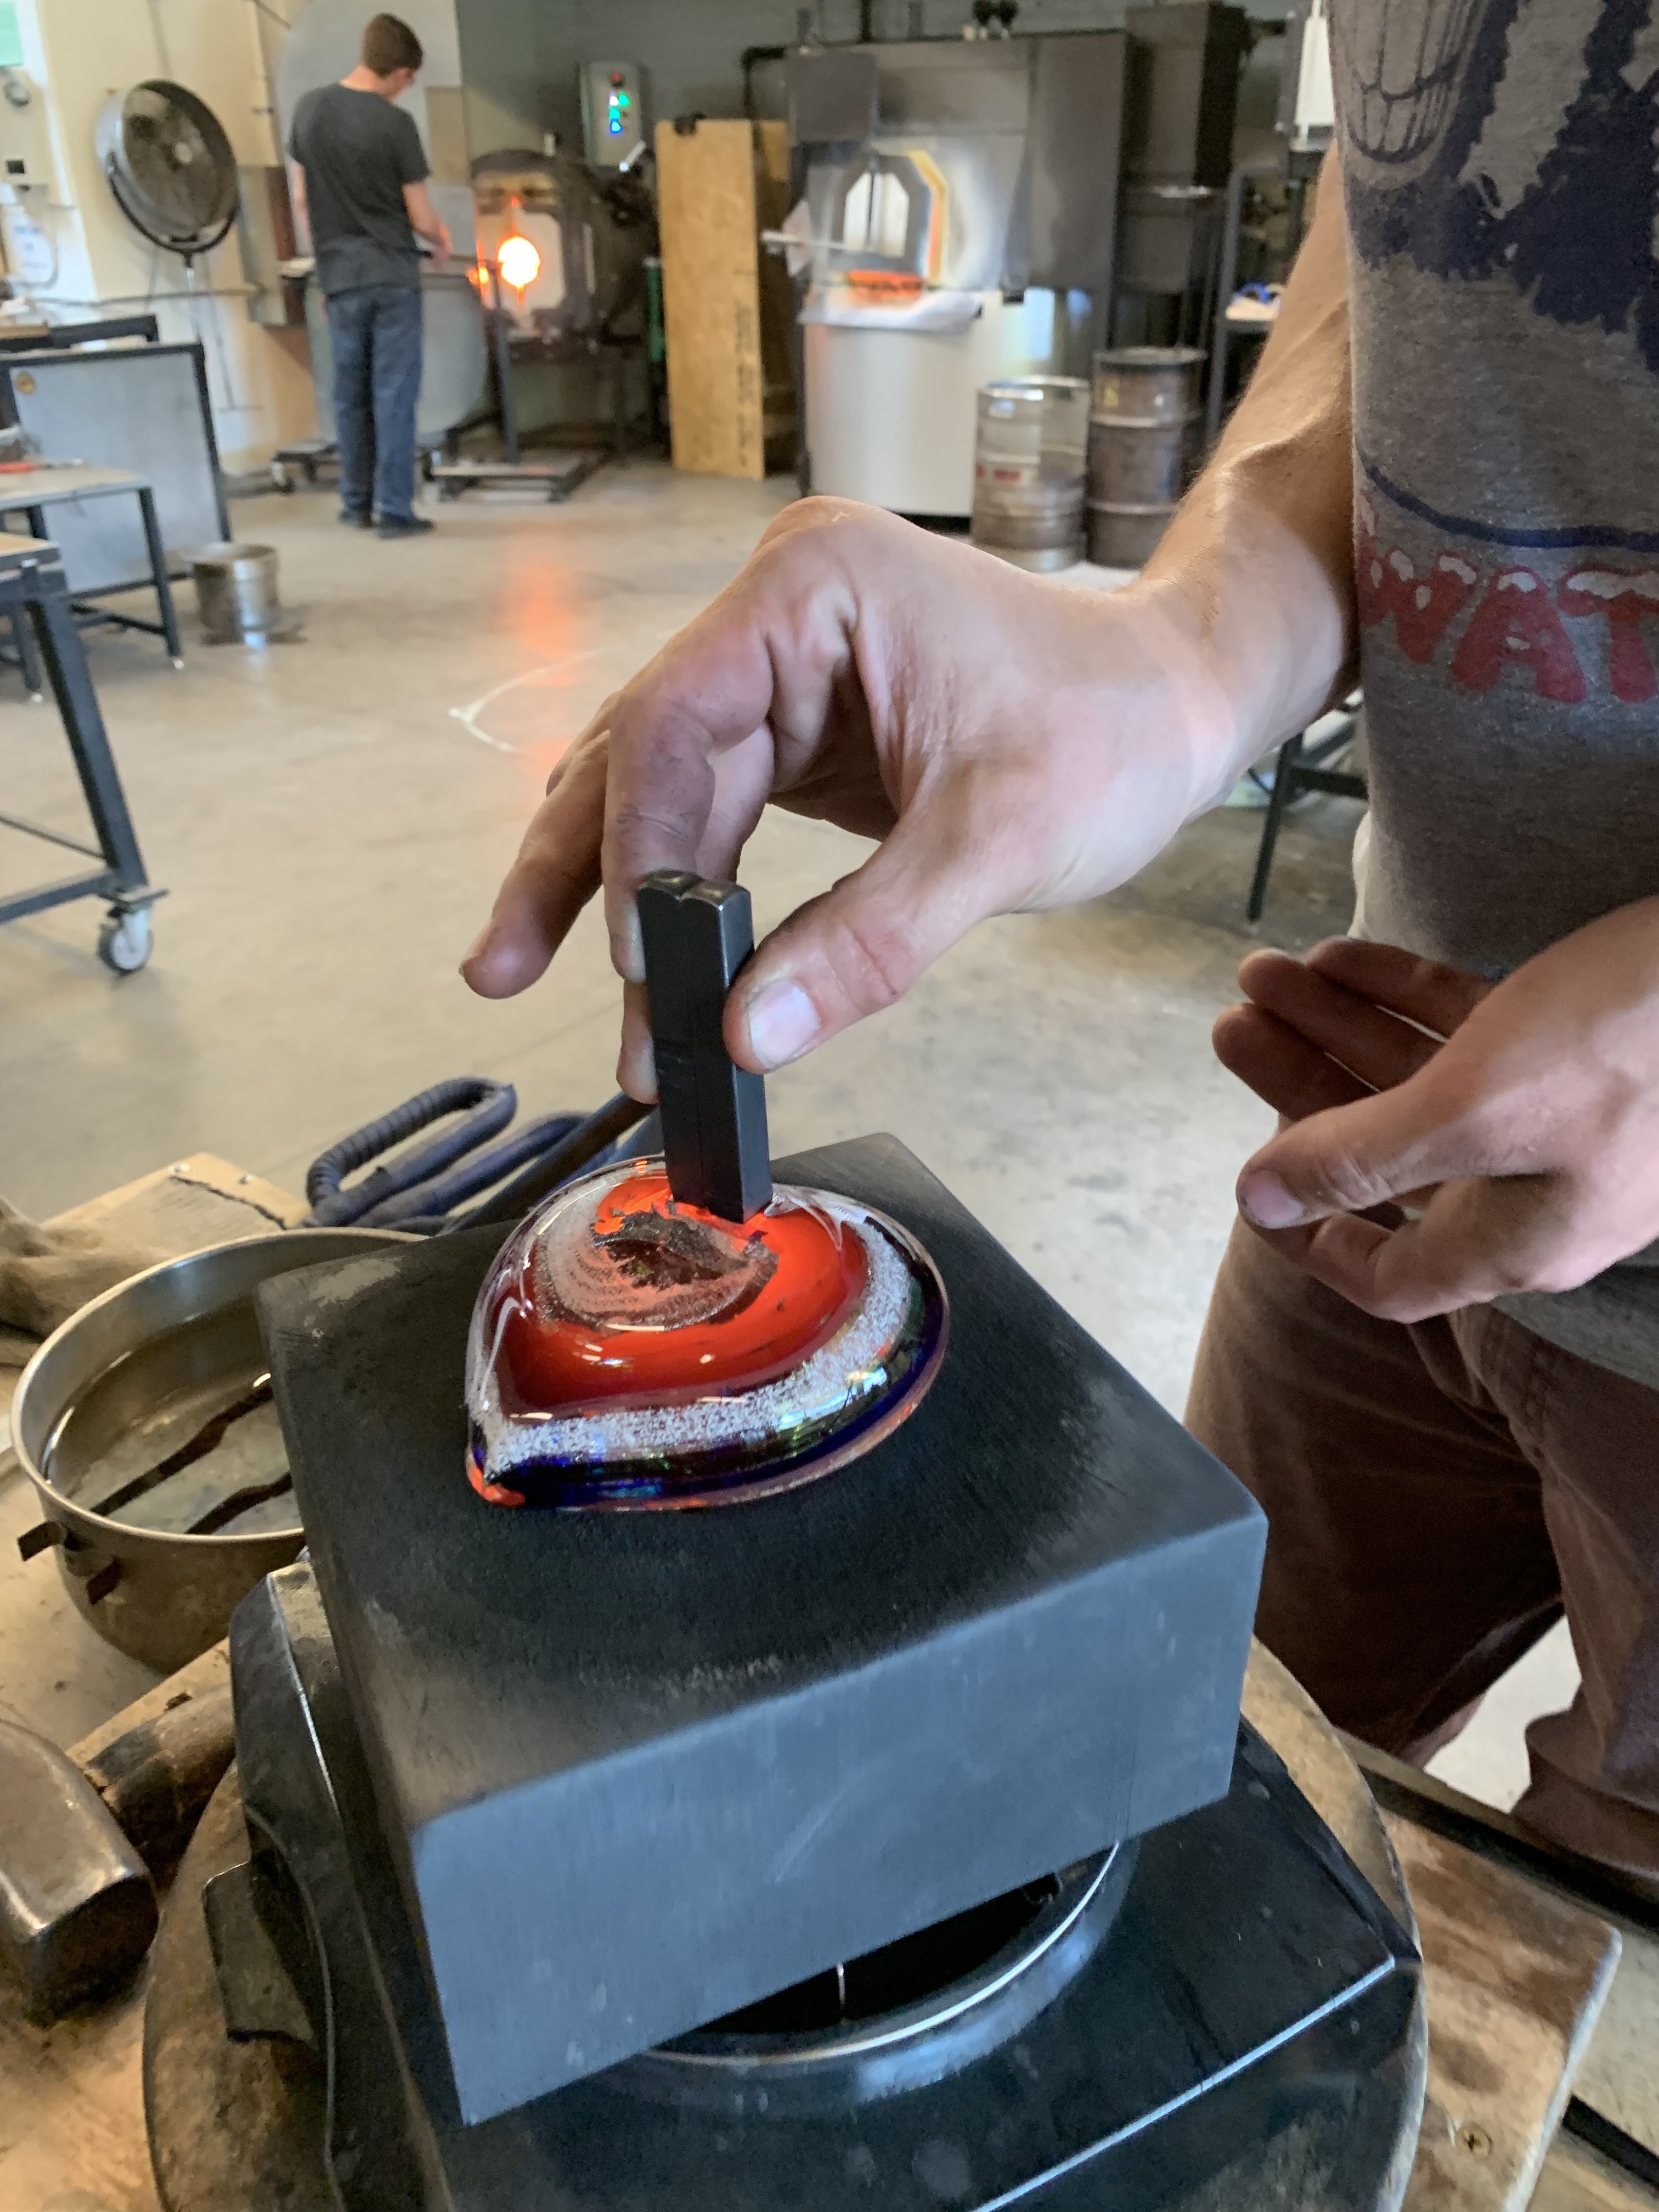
{"x": 404, "y": 526}
{"x": 356, "y": 517}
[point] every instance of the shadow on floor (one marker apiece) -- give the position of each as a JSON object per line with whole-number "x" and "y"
{"x": 1204, "y": 877}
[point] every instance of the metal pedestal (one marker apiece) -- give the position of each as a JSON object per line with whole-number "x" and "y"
{"x": 34, "y": 595}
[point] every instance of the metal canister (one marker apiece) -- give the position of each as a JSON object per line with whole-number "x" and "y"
{"x": 236, "y": 592}
{"x": 1028, "y": 471}
{"x": 1144, "y": 427}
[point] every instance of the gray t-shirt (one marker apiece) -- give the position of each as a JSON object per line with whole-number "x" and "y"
{"x": 1501, "y": 190}
{"x": 358, "y": 152}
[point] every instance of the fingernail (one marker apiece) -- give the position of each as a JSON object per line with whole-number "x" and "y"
{"x": 1265, "y": 1200}
{"x": 782, "y": 1023}
{"x": 636, "y": 1071}
{"x": 627, "y": 951}
{"x": 478, "y": 944}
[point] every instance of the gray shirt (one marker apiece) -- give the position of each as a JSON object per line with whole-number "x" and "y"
{"x": 1499, "y": 170}
{"x": 358, "y": 152}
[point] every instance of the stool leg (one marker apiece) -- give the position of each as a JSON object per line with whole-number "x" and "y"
{"x": 158, "y": 569}
{"x": 1284, "y": 782}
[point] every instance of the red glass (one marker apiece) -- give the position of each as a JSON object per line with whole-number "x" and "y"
{"x": 627, "y": 1350}
{"x": 780, "y": 1287}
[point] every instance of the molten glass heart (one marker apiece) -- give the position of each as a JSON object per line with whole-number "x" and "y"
{"x": 627, "y": 1350}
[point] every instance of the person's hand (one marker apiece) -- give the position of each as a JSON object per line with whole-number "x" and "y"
{"x": 1519, "y": 1121}
{"x": 441, "y": 247}
{"x": 1012, "y": 745}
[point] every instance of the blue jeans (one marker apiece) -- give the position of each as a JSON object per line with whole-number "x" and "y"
{"x": 374, "y": 333}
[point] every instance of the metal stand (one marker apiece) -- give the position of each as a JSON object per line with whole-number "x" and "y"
{"x": 1292, "y": 776}
{"x": 561, "y": 474}
{"x": 83, "y": 604}
{"x": 35, "y": 596}
{"x": 309, "y": 456}
{"x": 1222, "y": 333}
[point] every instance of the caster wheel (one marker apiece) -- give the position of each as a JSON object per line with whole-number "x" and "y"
{"x": 280, "y": 476}
{"x": 126, "y": 940}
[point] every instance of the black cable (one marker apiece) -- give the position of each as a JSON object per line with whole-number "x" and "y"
{"x": 423, "y": 1208}
{"x": 1618, "y": 2148}
{"x": 580, "y": 1149}
{"x": 492, "y": 1107}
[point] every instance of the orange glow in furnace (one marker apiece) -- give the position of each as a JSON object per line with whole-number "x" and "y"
{"x": 521, "y": 264}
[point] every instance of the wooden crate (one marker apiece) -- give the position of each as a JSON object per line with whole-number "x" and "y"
{"x": 727, "y": 307}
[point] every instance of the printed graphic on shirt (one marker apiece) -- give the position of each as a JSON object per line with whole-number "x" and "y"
{"x": 1485, "y": 137}
{"x": 1479, "y": 621}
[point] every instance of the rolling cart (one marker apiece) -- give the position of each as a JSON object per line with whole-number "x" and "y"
{"x": 35, "y": 594}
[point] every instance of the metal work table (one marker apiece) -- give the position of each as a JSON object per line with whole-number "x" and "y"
{"x": 51, "y": 484}
{"x": 35, "y": 594}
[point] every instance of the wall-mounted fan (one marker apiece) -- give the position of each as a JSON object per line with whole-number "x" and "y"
{"x": 170, "y": 167}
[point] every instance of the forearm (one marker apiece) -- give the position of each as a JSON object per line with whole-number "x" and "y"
{"x": 1257, "y": 566}
{"x": 423, "y": 218}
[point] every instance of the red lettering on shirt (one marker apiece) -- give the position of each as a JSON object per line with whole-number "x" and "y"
{"x": 1624, "y": 598}
{"x": 1422, "y": 606}
{"x": 1517, "y": 622}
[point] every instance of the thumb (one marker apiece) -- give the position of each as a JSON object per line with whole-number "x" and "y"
{"x": 860, "y": 946}
{"x": 1350, "y": 1158}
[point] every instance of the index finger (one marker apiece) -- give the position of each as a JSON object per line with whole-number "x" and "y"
{"x": 1477, "y": 1240}
{"x": 767, "y": 652}
{"x": 1428, "y": 992}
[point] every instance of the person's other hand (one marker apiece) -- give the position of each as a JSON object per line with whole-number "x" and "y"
{"x": 441, "y": 252}
{"x": 1011, "y": 746}
{"x": 1522, "y": 1117}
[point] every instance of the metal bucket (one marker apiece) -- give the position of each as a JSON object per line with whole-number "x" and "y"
{"x": 1125, "y": 537}
{"x": 236, "y": 592}
{"x": 1028, "y": 471}
{"x": 1146, "y": 384}
{"x": 126, "y": 1382}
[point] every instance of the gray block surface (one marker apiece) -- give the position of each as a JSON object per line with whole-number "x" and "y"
{"x": 638, "y": 1770}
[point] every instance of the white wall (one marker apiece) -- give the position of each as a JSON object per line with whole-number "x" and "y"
{"x": 81, "y": 51}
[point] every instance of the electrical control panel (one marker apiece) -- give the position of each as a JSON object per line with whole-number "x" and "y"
{"x": 25, "y": 135}
{"x": 613, "y": 113}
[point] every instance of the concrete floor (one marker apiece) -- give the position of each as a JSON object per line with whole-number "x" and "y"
{"x": 331, "y": 818}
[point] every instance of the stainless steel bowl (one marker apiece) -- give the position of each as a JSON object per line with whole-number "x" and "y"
{"x": 134, "y": 1373}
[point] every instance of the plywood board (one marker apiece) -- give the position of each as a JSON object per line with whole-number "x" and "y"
{"x": 446, "y": 135}
{"x": 710, "y": 227}
{"x": 1516, "y": 1977}
{"x": 777, "y": 298}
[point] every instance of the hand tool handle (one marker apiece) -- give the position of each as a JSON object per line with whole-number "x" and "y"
{"x": 697, "y": 934}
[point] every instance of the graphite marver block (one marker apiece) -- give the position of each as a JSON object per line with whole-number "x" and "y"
{"x": 638, "y": 1770}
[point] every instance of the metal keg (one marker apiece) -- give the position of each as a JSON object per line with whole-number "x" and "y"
{"x": 1144, "y": 421}
{"x": 236, "y": 593}
{"x": 1028, "y": 471}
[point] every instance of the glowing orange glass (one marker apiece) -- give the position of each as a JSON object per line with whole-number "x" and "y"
{"x": 521, "y": 264}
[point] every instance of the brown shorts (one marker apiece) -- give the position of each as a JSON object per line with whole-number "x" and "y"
{"x": 1437, "y": 1495}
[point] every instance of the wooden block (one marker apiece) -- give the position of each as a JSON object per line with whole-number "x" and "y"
{"x": 195, "y": 1202}
{"x": 206, "y": 1676}
{"x": 777, "y": 298}
{"x": 1516, "y": 1977}
{"x": 730, "y": 387}
{"x": 446, "y": 135}
{"x": 1576, "y": 2178}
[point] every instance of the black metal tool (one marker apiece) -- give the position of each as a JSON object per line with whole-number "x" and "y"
{"x": 697, "y": 934}
{"x": 76, "y": 1906}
